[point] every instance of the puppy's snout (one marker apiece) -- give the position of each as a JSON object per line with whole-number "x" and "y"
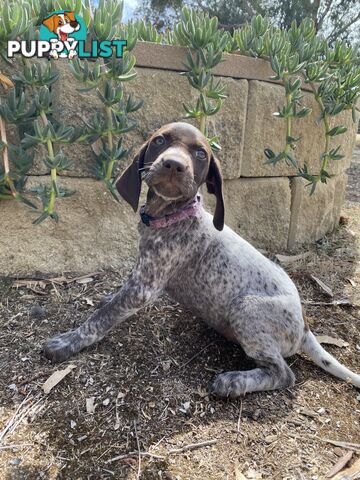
{"x": 174, "y": 166}
{"x": 74, "y": 24}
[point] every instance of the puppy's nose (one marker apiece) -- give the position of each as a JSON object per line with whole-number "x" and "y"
{"x": 74, "y": 24}
{"x": 174, "y": 166}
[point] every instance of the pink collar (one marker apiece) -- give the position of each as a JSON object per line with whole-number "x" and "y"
{"x": 191, "y": 210}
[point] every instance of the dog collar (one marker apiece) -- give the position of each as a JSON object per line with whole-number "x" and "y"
{"x": 191, "y": 210}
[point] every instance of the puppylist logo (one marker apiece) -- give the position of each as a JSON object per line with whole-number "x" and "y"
{"x": 62, "y": 35}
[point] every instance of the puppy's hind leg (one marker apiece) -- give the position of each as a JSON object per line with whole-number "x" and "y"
{"x": 272, "y": 373}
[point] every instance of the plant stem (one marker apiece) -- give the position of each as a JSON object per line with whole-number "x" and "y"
{"x": 288, "y": 123}
{"x": 53, "y": 190}
{"x": 8, "y": 179}
{"x": 202, "y": 126}
{"x": 325, "y": 119}
{"x": 5, "y": 151}
{"x": 109, "y": 167}
{"x": 51, "y": 206}
{"x": 288, "y": 118}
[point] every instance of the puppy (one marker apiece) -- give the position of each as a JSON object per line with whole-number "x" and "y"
{"x": 187, "y": 253}
{"x": 62, "y": 24}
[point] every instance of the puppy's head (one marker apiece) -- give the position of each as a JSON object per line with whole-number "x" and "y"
{"x": 62, "y": 24}
{"x": 174, "y": 162}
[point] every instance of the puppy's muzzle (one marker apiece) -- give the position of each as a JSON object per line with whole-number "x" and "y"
{"x": 173, "y": 167}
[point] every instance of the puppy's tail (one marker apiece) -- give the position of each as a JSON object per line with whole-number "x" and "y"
{"x": 326, "y": 361}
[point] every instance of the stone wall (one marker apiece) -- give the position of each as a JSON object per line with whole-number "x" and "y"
{"x": 265, "y": 204}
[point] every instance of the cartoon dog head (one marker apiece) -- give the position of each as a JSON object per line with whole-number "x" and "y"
{"x": 62, "y": 24}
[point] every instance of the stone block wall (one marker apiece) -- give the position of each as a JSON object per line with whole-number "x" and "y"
{"x": 267, "y": 205}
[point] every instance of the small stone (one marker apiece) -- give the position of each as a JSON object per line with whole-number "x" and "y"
{"x": 321, "y": 411}
{"x": 15, "y": 461}
{"x": 166, "y": 365}
{"x": 256, "y": 414}
{"x": 106, "y": 402}
{"x": 37, "y": 311}
{"x": 72, "y": 424}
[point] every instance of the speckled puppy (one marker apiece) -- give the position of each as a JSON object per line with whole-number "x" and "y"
{"x": 187, "y": 253}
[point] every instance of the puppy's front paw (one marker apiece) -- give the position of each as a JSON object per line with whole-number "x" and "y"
{"x": 61, "y": 347}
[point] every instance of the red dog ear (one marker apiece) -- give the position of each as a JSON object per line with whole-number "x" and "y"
{"x": 50, "y": 23}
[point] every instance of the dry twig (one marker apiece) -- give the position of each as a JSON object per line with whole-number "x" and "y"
{"x": 139, "y": 453}
{"x": 192, "y": 446}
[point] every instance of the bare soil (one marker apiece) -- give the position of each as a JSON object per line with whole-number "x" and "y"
{"x": 149, "y": 383}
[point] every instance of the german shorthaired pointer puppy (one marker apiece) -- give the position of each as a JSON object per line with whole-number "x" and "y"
{"x": 207, "y": 267}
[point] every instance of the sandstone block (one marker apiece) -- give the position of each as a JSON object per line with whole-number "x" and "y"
{"x": 314, "y": 216}
{"x": 258, "y": 209}
{"x": 93, "y": 232}
{"x": 229, "y": 125}
{"x": 263, "y": 130}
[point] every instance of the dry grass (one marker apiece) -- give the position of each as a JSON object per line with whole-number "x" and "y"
{"x": 149, "y": 384}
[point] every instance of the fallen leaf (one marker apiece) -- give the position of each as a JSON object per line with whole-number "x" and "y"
{"x": 29, "y": 283}
{"x": 350, "y": 473}
{"x": 326, "y": 289}
{"x": 351, "y": 281}
{"x": 288, "y": 259}
{"x": 56, "y": 378}
{"x": 341, "y": 301}
{"x": 42, "y": 282}
{"x": 90, "y": 405}
{"x": 307, "y": 413}
{"x": 239, "y": 475}
{"x": 253, "y": 474}
{"x": 97, "y": 146}
{"x": 340, "y": 464}
{"x": 271, "y": 438}
{"x": 85, "y": 280}
{"x": 7, "y": 83}
{"x": 332, "y": 341}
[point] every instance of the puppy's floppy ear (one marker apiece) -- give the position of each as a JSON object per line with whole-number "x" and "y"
{"x": 129, "y": 184}
{"x": 70, "y": 15}
{"x": 214, "y": 186}
{"x": 50, "y": 23}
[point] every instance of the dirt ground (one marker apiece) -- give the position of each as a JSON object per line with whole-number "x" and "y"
{"x": 145, "y": 387}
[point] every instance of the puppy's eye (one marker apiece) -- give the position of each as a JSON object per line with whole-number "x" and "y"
{"x": 160, "y": 140}
{"x": 200, "y": 153}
